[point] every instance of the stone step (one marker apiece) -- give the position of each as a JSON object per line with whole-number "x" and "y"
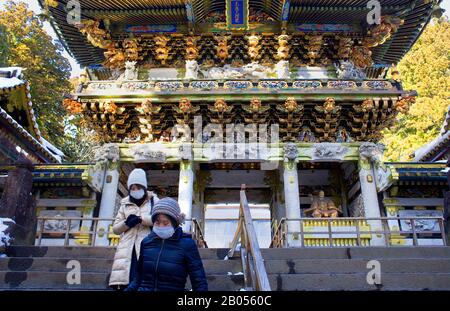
{"x": 91, "y": 252}
{"x": 356, "y": 253}
{"x": 313, "y": 266}
{"x": 38, "y": 280}
{"x": 268, "y": 253}
{"x": 49, "y": 264}
{"x": 285, "y": 282}
{"x": 61, "y": 252}
{"x": 402, "y": 268}
{"x": 357, "y": 282}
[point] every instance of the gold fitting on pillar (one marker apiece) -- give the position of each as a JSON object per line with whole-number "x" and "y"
{"x": 101, "y": 232}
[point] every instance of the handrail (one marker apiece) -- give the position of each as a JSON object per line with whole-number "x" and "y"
{"x": 279, "y": 235}
{"x": 198, "y": 235}
{"x": 255, "y": 275}
{"x": 279, "y": 238}
{"x": 90, "y": 235}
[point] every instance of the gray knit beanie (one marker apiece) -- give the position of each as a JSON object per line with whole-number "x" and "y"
{"x": 169, "y": 207}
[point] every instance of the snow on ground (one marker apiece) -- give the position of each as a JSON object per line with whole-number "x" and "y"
{"x": 5, "y": 239}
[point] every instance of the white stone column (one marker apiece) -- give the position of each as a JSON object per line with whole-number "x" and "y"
{"x": 108, "y": 202}
{"x": 368, "y": 153}
{"x": 186, "y": 191}
{"x": 292, "y": 203}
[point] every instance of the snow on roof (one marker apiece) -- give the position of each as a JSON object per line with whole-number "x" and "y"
{"x": 6, "y": 83}
{"x": 10, "y": 77}
{"x": 58, "y": 154}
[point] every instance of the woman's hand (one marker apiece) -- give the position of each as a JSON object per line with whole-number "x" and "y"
{"x": 132, "y": 221}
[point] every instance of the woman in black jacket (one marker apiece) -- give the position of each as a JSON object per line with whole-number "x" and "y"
{"x": 168, "y": 255}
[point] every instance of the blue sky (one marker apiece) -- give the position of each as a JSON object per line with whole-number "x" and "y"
{"x": 76, "y": 68}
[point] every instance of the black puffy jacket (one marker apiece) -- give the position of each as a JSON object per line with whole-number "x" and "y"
{"x": 165, "y": 264}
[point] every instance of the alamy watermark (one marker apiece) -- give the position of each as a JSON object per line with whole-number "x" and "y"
{"x": 374, "y": 275}
{"x": 73, "y": 9}
{"x": 73, "y": 277}
{"x": 374, "y": 16}
{"x": 229, "y": 141}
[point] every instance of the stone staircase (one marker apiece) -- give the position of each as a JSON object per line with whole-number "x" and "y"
{"x": 421, "y": 268}
{"x": 45, "y": 268}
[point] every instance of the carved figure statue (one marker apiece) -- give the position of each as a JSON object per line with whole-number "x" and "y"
{"x": 322, "y": 207}
{"x": 282, "y": 69}
{"x": 192, "y": 69}
{"x": 347, "y": 70}
{"x": 131, "y": 72}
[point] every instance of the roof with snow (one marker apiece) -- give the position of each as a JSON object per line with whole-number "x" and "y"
{"x": 10, "y": 79}
{"x": 18, "y": 118}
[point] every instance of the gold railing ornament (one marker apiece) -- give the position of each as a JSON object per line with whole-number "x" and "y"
{"x": 357, "y": 231}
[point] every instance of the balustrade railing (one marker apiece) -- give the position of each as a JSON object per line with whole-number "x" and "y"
{"x": 84, "y": 231}
{"x": 359, "y": 231}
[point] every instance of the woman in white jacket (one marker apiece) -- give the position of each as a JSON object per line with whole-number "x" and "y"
{"x": 132, "y": 223}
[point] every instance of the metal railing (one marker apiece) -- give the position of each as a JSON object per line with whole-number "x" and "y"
{"x": 359, "y": 229}
{"x": 197, "y": 234}
{"x": 65, "y": 230}
{"x": 89, "y": 237}
{"x": 255, "y": 275}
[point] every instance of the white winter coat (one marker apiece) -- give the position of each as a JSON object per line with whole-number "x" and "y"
{"x": 130, "y": 237}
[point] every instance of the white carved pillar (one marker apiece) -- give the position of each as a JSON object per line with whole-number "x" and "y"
{"x": 109, "y": 154}
{"x": 198, "y": 208}
{"x": 186, "y": 191}
{"x": 369, "y": 152}
{"x": 292, "y": 196}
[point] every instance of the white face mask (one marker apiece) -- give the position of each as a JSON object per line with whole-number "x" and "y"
{"x": 164, "y": 232}
{"x": 137, "y": 194}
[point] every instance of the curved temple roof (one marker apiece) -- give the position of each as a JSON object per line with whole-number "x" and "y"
{"x": 416, "y": 14}
{"x": 11, "y": 80}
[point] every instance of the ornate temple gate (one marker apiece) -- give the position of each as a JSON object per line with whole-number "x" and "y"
{"x": 318, "y": 76}
{"x": 346, "y": 171}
